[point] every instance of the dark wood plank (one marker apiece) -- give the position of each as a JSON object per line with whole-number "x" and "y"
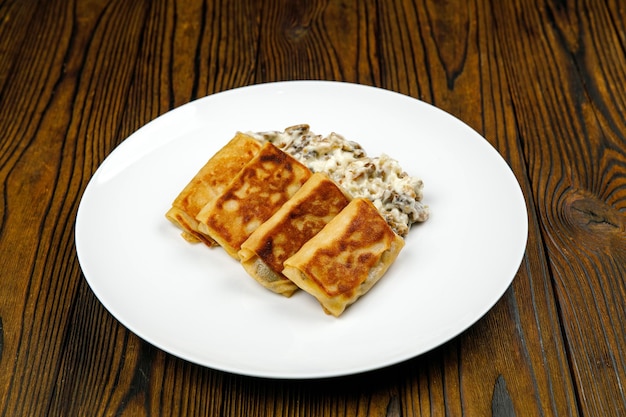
{"x": 318, "y": 40}
{"x": 59, "y": 111}
{"x": 561, "y": 60}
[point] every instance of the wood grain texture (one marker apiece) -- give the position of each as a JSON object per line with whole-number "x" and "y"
{"x": 318, "y": 40}
{"x": 542, "y": 81}
{"x": 574, "y": 147}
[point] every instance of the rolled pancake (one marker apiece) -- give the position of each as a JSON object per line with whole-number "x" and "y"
{"x": 346, "y": 258}
{"x": 282, "y": 235}
{"x": 208, "y": 183}
{"x": 261, "y": 187}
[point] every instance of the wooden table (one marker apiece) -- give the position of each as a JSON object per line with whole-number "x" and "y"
{"x": 543, "y": 81}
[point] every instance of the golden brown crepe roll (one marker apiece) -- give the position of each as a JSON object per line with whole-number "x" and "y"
{"x": 208, "y": 183}
{"x": 261, "y": 187}
{"x": 346, "y": 258}
{"x": 299, "y": 219}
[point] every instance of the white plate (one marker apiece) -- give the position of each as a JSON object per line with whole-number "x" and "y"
{"x": 200, "y": 305}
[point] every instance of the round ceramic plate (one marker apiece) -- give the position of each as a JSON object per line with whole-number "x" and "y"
{"x": 199, "y": 304}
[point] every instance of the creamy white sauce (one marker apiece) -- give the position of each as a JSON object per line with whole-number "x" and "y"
{"x": 396, "y": 195}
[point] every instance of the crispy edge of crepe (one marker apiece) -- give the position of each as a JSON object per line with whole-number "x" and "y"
{"x": 282, "y": 235}
{"x": 208, "y": 183}
{"x": 346, "y": 258}
{"x": 261, "y": 187}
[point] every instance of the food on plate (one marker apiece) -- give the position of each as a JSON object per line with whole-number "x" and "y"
{"x": 260, "y": 188}
{"x": 303, "y": 211}
{"x": 346, "y": 258}
{"x": 298, "y": 220}
{"x": 396, "y": 195}
{"x": 208, "y": 183}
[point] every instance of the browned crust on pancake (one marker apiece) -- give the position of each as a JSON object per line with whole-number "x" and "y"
{"x": 299, "y": 219}
{"x": 261, "y": 187}
{"x": 344, "y": 260}
{"x": 209, "y": 182}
